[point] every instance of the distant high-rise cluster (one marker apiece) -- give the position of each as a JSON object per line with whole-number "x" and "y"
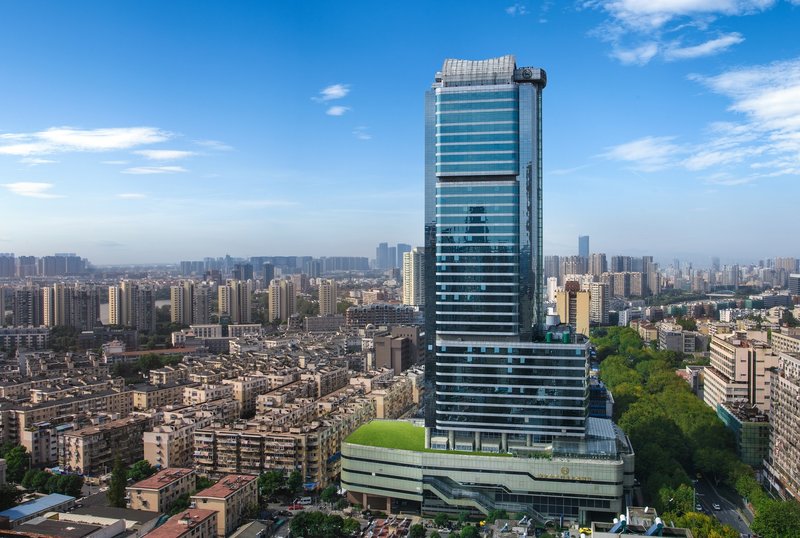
{"x": 387, "y": 257}
{"x": 60, "y": 264}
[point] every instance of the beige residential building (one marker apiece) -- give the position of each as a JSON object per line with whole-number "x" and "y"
{"x": 18, "y": 418}
{"x": 172, "y": 445}
{"x": 393, "y": 399}
{"x": 598, "y": 303}
{"x": 205, "y": 393}
{"x": 190, "y": 523}
{"x": 414, "y": 277}
{"x": 572, "y": 305}
{"x": 327, "y": 297}
{"x": 156, "y": 397}
{"x": 282, "y": 300}
{"x": 739, "y": 370}
{"x": 231, "y": 497}
{"x": 157, "y": 493}
{"x": 168, "y": 374}
{"x": 91, "y": 451}
{"x": 786, "y": 341}
{"x": 246, "y": 389}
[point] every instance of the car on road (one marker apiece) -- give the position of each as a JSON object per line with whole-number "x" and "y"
{"x": 698, "y": 507}
{"x": 716, "y": 506}
{"x": 295, "y": 507}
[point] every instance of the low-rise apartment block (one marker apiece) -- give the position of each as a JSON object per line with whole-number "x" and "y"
{"x": 147, "y": 396}
{"x": 92, "y": 451}
{"x": 231, "y": 498}
{"x": 157, "y": 493}
{"x": 190, "y": 523}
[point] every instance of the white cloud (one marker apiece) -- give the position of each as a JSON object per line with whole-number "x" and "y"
{"x": 31, "y": 189}
{"x": 332, "y": 92}
{"x": 164, "y": 154}
{"x": 634, "y": 26}
{"x": 763, "y": 142}
{"x": 144, "y": 170}
{"x": 113, "y": 162}
{"x": 68, "y": 139}
{"x": 337, "y": 110}
{"x": 517, "y": 9}
{"x": 131, "y": 196}
{"x": 636, "y": 56}
{"x": 33, "y": 161}
{"x": 647, "y": 154}
{"x": 267, "y": 203}
{"x": 709, "y": 48}
{"x": 647, "y": 15}
{"x": 362, "y": 133}
{"x": 215, "y": 145}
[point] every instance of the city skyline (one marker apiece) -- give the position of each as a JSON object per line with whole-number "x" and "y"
{"x": 263, "y": 130}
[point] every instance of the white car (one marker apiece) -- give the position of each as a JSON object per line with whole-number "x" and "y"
{"x": 716, "y": 506}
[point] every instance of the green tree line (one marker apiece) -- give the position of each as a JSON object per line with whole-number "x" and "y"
{"x": 676, "y": 436}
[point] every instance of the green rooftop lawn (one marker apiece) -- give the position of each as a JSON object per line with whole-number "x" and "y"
{"x": 402, "y": 436}
{"x": 389, "y": 434}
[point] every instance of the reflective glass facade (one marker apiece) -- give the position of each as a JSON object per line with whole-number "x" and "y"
{"x": 493, "y": 375}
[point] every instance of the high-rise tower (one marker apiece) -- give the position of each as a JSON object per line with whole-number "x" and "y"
{"x": 484, "y": 270}
{"x": 501, "y": 377}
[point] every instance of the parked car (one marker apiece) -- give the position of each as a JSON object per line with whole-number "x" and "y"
{"x": 295, "y": 507}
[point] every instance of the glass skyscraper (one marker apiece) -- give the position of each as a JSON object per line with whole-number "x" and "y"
{"x": 500, "y": 380}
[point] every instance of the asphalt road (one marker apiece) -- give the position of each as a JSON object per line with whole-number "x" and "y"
{"x": 707, "y": 495}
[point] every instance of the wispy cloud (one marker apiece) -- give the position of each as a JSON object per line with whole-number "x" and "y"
{"x": 709, "y": 48}
{"x": 68, "y": 139}
{"x": 517, "y": 9}
{"x": 362, "y": 133}
{"x": 646, "y": 154}
{"x": 144, "y": 170}
{"x": 215, "y": 145}
{"x": 332, "y": 92}
{"x": 131, "y": 196}
{"x": 566, "y": 171}
{"x": 164, "y": 154}
{"x": 763, "y": 142}
{"x": 31, "y": 189}
{"x": 267, "y": 203}
{"x": 640, "y": 30}
{"x": 34, "y": 161}
{"x": 114, "y": 162}
{"x": 636, "y": 56}
{"x": 337, "y": 110}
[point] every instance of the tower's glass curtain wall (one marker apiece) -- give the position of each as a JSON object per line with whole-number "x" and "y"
{"x": 483, "y": 235}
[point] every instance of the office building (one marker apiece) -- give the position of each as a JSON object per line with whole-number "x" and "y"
{"x": 507, "y": 380}
{"x": 414, "y": 277}
{"x": 794, "y": 284}
{"x": 583, "y": 246}
{"x": 382, "y": 256}
{"x": 327, "y": 298}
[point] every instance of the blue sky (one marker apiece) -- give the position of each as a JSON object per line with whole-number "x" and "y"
{"x": 161, "y": 131}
